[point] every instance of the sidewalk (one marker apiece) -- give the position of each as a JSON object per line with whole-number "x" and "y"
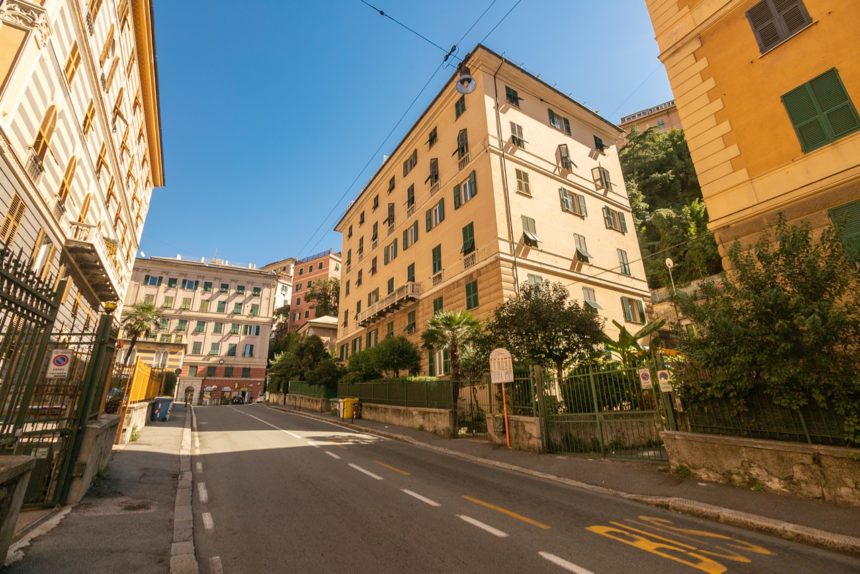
{"x": 124, "y": 523}
{"x": 789, "y": 517}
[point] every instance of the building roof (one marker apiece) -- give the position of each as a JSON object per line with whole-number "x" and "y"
{"x": 207, "y": 264}
{"x": 648, "y": 111}
{"x": 326, "y": 321}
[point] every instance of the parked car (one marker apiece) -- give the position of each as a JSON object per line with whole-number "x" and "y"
{"x": 237, "y": 401}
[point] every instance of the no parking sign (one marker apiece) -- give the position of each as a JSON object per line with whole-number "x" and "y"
{"x": 58, "y": 367}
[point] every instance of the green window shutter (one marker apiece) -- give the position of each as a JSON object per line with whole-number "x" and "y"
{"x": 160, "y": 279}
{"x": 146, "y": 279}
{"x": 821, "y": 111}
{"x": 607, "y": 217}
{"x": 441, "y": 210}
{"x": 428, "y": 217}
{"x": 196, "y": 285}
{"x": 405, "y": 239}
{"x": 468, "y": 239}
{"x": 551, "y": 116}
{"x": 847, "y": 217}
{"x": 623, "y": 221}
{"x": 457, "y": 196}
{"x": 473, "y": 180}
{"x": 801, "y": 109}
{"x": 561, "y": 195}
{"x": 834, "y": 102}
{"x": 582, "y": 205}
{"x": 641, "y": 309}
{"x": 414, "y": 232}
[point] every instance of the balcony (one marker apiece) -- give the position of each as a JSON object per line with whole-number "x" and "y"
{"x": 403, "y": 295}
{"x": 437, "y": 278}
{"x": 464, "y": 161}
{"x": 92, "y": 253}
{"x": 470, "y": 260}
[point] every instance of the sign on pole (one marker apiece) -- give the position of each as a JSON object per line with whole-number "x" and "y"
{"x": 664, "y": 380}
{"x": 58, "y": 366}
{"x": 645, "y": 379}
{"x": 501, "y": 366}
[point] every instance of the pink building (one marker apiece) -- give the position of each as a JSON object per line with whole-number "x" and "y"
{"x": 306, "y": 272}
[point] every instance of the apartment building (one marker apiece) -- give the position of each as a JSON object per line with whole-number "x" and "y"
{"x": 767, "y": 92}
{"x": 324, "y": 265}
{"x": 511, "y": 183}
{"x": 80, "y": 143}
{"x": 663, "y": 117}
{"x": 284, "y": 269}
{"x": 221, "y": 313}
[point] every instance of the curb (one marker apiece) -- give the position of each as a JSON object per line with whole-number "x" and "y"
{"x": 182, "y": 557}
{"x": 737, "y": 518}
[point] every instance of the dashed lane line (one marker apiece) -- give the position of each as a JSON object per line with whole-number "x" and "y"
{"x": 333, "y": 455}
{"x": 423, "y": 499}
{"x": 202, "y": 493}
{"x": 507, "y": 512}
{"x": 267, "y": 423}
{"x": 199, "y": 466}
{"x": 394, "y": 468}
{"x": 208, "y": 523}
{"x": 365, "y": 471}
{"x": 569, "y": 566}
{"x": 485, "y": 527}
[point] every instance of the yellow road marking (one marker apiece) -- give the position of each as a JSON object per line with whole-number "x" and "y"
{"x": 394, "y": 468}
{"x": 673, "y": 552}
{"x": 507, "y": 512}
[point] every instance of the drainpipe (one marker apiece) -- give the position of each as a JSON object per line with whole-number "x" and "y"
{"x": 503, "y": 164}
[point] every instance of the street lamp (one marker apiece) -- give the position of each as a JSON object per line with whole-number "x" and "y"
{"x": 669, "y": 265}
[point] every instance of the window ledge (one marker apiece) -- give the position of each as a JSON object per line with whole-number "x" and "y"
{"x": 772, "y": 48}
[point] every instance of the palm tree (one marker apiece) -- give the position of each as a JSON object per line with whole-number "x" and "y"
{"x": 451, "y": 330}
{"x": 627, "y": 345}
{"x": 141, "y": 321}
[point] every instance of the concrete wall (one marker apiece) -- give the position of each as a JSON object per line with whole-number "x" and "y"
{"x": 437, "y": 421}
{"x": 14, "y": 476}
{"x": 299, "y": 402}
{"x": 525, "y": 432}
{"x": 617, "y": 433}
{"x": 94, "y": 456}
{"x": 135, "y": 416}
{"x": 812, "y": 471}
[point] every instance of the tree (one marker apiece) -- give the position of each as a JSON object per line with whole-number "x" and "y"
{"x": 627, "y": 345}
{"x": 141, "y": 321}
{"x": 361, "y": 367}
{"x": 452, "y": 330}
{"x": 395, "y": 354}
{"x": 325, "y": 294}
{"x": 784, "y": 323}
{"x": 297, "y": 361}
{"x": 659, "y": 163}
{"x": 542, "y": 325}
{"x": 326, "y": 373}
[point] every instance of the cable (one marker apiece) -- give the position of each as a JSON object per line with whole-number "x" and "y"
{"x": 401, "y": 24}
{"x": 493, "y": 29}
{"x": 639, "y": 87}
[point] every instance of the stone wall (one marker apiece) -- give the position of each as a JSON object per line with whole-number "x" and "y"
{"x": 137, "y": 415}
{"x": 813, "y": 471}
{"x": 299, "y": 402}
{"x": 95, "y": 454}
{"x": 14, "y": 476}
{"x": 525, "y": 432}
{"x": 439, "y": 421}
{"x": 616, "y": 432}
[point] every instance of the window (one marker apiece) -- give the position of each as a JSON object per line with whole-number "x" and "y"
{"x": 623, "y": 264}
{"x": 222, "y": 307}
{"x": 438, "y": 305}
{"x": 172, "y": 282}
{"x": 210, "y": 371}
{"x": 773, "y": 21}
{"x": 249, "y": 350}
{"x": 240, "y": 289}
{"x": 255, "y": 309}
{"x": 432, "y": 138}
{"x": 373, "y": 297}
{"x": 182, "y": 325}
{"x": 600, "y": 175}
{"x": 390, "y": 218}
{"x": 87, "y": 124}
{"x": 218, "y": 328}
{"x": 168, "y": 302}
{"x": 590, "y": 298}
{"x": 374, "y": 234}
{"x": 234, "y": 328}
{"x": 225, "y": 287}
{"x": 390, "y": 286}
{"x": 512, "y": 96}
{"x": 66, "y": 184}
{"x": 533, "y": 279}
{"x": 848, "y": 218}
{"x": 523, "y": 182}
{"x": 200, "y": 326}
{"x": 358, "y": 278}
{"x": 197, "y": 348}
{"x": 634, "y": 311}
{"x": 435, "y": 215}
{"x": 207, "y": 286}
{"x": 599, "y": 145}
{"x": 252, "y": 330}
{"x": 437, "y": 259}
{"x": 152, "y": 280}
{"x": 410, "y": 235}
{"x": 466, "y": 190}
{"x": 375, "y": 202}
{"x": 410, "y": 273}
{"x": 192, "y": 370}
{"x": 390, "y": 189}
{"x": 472, "y": 294}
{"x": 517, "y": 136}
{"x": 572, "y": 203}
{"x": 298, "y": 300}
{"x": 410, "y": 322}
{"x": 228, "y": 372}
{"x": 360, "y": 222}
{"x": 231, "y": 349}
{"x": 360, "y": 246}
{"x": 410, "y": 198}
{"x": 149, "y": 299}
{"x": 410, "y": 163}
{"x": 43, "y": 137}
{"x": 462, "y": 150}
{"x": 348, "y": 235}
{"x": 237, "y": 308}
{"x": 346, "y": 318}
{"x": 530, "y": 237}
{"x": 460, "y": 107}
{"x": 821, "y": 111}
{"x": 661, "y": 124}
{"x": 373, "y": 266}
{"x": 433, "y": 178}
{"x": 73, "y": 60}
{"x": 559, "y": 122}
{"x": 581, "y": 249}
{"x": 190, "y": 284}
{"x": 389, "y": 253}
{"x": 614, "y": 219}
{"x": 12, "y": 220}
{"x": 246, "y": 372}
{"x": 389, "y": 329}
{"x": 468, "y": 239}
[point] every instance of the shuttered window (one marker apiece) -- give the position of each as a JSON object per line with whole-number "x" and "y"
{"x": 821, "y": 111}
{"x": 773, "y": 21}
{"x": 847, "y": 217}
{"x": 12, "y": 220}
{"x": 468, "y": 239}
{"x": 530, "y": 237}
{"x": 472, "y": 294}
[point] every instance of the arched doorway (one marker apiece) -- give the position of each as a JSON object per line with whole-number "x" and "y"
{"x": 189, "y": 394}
{"x": 246, "y": 396}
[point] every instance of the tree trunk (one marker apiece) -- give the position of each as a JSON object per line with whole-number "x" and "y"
{"x": 131, "y": 345}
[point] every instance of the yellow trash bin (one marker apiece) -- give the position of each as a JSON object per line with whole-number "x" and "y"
{"x": 348, "y": 405}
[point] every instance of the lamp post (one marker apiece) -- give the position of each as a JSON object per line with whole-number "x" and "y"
{"x": 669, "y": 265}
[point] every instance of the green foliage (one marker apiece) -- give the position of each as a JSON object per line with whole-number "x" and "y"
{"x": 785, "y": 324}
{"x": 362, "y": 367}
{"x": 452, "y": 330}
{"x": 326, "y": 373}
{"x": 169, "y": 383}
{"x": 660, "y": 164}
{"x": 297, "y": 361}
{"x": 627, "y": 346}
{"x": 395, "y": 354}
{"x": 325, "y": 295}
{"x": 141, "y": 321}
{"x": 542, "y": 325}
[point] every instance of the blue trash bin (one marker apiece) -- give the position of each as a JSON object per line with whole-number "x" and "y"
{"x": 162, "y": 408}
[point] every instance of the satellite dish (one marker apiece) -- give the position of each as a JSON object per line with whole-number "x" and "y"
{"x": 465, "y": 83}
{"x": 669, "y": 263}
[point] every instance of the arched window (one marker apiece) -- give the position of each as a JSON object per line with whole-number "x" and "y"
{"x": 46, "y": 130}
{"x": 66, "y": 185}
{"x": 85, "y": 208}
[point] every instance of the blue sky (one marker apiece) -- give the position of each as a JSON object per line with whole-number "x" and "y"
{"x": 270, "y": 109}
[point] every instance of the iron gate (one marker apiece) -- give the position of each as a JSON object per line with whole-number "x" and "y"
{"x": 473, "y": 406}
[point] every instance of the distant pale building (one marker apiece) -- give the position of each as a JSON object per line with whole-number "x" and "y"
{"x": 284, "y": 269}
{"x": 664, "y": 117}
{"x": 325, "y": 265}
{"x": 323, "y": 327}
{"x": 220, "y": 313}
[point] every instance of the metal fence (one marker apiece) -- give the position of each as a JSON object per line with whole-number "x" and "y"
{"x": 400, "y": 392}
{"x": 308, "y": 390}
{"x": 521, "y": 396}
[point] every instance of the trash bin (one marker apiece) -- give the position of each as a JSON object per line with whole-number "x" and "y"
{"x": 348, "y": 405}
{"x": 336, "y": 407}
{"x": 162, "y": 408}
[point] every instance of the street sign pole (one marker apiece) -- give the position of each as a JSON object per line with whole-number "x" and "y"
{"x": 502, "y": 372}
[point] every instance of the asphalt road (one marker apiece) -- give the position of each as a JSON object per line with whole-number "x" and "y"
{"x": 277, "y": 492}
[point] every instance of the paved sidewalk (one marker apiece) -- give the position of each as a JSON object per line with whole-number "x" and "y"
{"x": 789, "y": 517}
{"x": 125, "y": 523}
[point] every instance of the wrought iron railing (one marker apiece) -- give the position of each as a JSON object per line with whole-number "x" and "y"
{"x": 403, "y": 294}
{"x": 401, "y": 392}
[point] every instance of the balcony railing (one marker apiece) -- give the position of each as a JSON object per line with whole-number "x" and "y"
{"x": 470, "y": 260}
{"x": 410, "y": 210}
{"x": 437, "y": 279}
{"x": 91, "y": 254}
{"x": 464, "y": 161}
{"x": 403, "y": 295}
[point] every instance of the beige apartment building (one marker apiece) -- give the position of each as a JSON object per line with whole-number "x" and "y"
{"x": 221, "y": 313}
{"x": 80, "y": 143}
{"x": 512, "y": 183}
{"x": 663, "y": 117}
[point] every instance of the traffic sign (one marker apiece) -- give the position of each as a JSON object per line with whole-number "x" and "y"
{"x": 645, "y": 379}
{"x": 665, "y": 381}
{"x": 58, "y": 366}
{"x": 501, "y": 366}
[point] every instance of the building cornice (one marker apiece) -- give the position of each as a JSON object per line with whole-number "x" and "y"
{"x": 147, "y": 66}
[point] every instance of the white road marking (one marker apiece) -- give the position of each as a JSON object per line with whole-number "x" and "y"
{"x": 202, "y": 494}
{"x": 569, "y": 566}
{"x": 482, "y": 526}
{"x": 365, "y": 471}
{"x": 196, "y": 441}
{"x": 292, "y": 434}
{"x": 333, "y": 455}
{"x": 199, "y": 466}
{"x": 215, "y": 565}
{"x": 423, "y": 499}
{"x": 208, "y": 523}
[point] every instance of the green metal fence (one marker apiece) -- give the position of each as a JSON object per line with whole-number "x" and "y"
{"x": 522, "y": 400}
{"x": 308, "y": 390}
{"x": 400, "y": 392}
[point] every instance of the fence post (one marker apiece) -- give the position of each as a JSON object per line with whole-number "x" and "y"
{"x": 803, "y": 424}
{"x": 598, "y": 415}
{"x": 538, "y": 383}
